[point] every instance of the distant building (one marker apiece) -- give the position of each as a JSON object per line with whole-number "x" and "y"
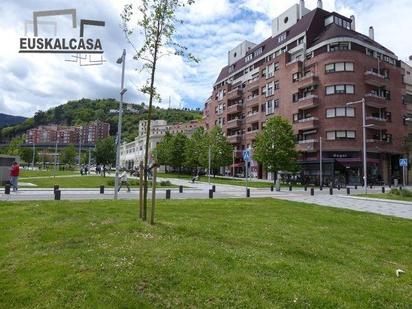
{"x": 407, "y": 99}
{"x": 131, "y": 154}
{"x": 65, "y": 135}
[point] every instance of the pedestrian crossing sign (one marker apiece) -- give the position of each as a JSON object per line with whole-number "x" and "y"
{"x": 403, "y": 162}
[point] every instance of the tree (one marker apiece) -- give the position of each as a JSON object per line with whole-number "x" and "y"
{"x": 26, "y": 154}
{"x": 14, "y": 146}
{"x": 105, "y": 153}
{"x": 177, "y": 158}
{"x": 275, "y": 146}
{"x": 68, "y": 155}
{"x": 162, "y": 152}
{"x": 157, "y": 22}
{"x": 196, "y": 149}
{"x": 220, "y": 149}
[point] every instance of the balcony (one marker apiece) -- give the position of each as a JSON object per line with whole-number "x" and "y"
{"x": 376, "y": 121}
{"x": 252, "y": 101}
{"x": 308, "y": 145}
{"x": 308, "y": 102}
{"x": 308, "y": 80}
{"x": 306, "y": 124}
{"x": 408, "y": 119}
{"x": 235, "y": 139}
{"x": 376, "y": 100}
{"x": 251, "y": 134}
{"x": 375, "y": 79}
{"x": 234, "y": 108}
{"x": 234, "y": 123}
{"x": 253, "y": 85}
{"x": 234, "y": 93}
{"x": 253, "y": 117}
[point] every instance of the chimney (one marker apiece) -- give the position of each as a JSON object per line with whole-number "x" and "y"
{"x": 353, "y": 25}
{"x": 301, "y": 7}
{"x": 320, "y": 4}
{"x": 371, "y": 33}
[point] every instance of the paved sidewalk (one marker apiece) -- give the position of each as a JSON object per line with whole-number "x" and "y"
{"x": 200, "y": 190}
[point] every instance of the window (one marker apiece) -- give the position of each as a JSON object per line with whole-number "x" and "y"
{"x": 334, "y": 135}
{"x": 328, "y": 20}
{"x": 330, "y": 113}
{"x": 295, "y": 77}
{"x": 340, "y": 89}
{"x": 339, "y": 46}
{"x": 270, "y": 106}
{"x": 340, "y": 112}
{"x": 258, "y": 52}
{"x": 248, "y": 57}
{"x": 282, "y": 37}
{"x": 339, "y": 67}
{"x": 276, "y": 85}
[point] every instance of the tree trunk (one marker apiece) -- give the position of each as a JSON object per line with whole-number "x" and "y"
{"x": 153, "y": 195}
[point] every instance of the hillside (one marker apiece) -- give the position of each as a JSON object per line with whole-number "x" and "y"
{"x": 85, "y": 110}
{"x": 8, "y": 120}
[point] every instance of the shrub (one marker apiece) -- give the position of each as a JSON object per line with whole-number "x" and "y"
{"x": 165, "y": 183}
{"x": 401, "y": 192}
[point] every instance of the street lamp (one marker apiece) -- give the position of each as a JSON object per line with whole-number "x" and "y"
{"x": 34, "y": 154}
{"x": 364, "y": 126}
{"x": 123, "y": 90}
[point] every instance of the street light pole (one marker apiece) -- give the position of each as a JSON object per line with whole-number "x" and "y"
{"x": 233, "y": 165}
{"x": 122, "y": 61}
{"x": 364, "y": 126}
{"x": 320, "y": 163}
{"x": 209, "y": 165}
{"x": 34, "y": 154}
{"x": 80, "y": 145}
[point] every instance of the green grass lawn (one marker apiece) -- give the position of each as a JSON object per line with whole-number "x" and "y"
{"x": 222, "y": 180}
{"x": 388, "y": 196}
{"x": 48, "y": 172}
{"x": 204, "y": 253}
{"x": 79, "y": 182}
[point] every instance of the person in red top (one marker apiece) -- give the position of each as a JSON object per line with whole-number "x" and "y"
{"x": 14, "y": 175}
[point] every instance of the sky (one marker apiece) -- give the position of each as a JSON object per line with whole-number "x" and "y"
{"x": 32, "y": 82}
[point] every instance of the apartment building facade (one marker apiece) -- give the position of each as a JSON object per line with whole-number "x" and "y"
{"x": 65, "y": 135}
{"x": 407, "y": 78}
{"x": 307, "y": 71}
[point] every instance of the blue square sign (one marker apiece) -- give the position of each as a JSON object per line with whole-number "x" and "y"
{"x": 403, "y": 162}
{"x": 246, "y": 154}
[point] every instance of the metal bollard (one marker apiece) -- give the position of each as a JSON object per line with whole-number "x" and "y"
{"x": 180, "y": 189}
{"x": 247, "y": 192}
{"x": 290, "y": 187}
{"x": 271, "y": 188}
{"x": 330, "y": 191}
{"x": 306, "y": 188}
{"x": 214, "y": 188}
{"x": 211, "y": 193}
{"x": 371, "y": 186}
{"x": 312, "y": 191}
{"x": 383, "y": 189}
{"x": 56, "y": 187}
{"x": 101, "y": 189}
{"x": 57, "y": 195}
{"x": 356, "y": 187}
{"x": 168, "y": 193}
{"x": 348, "y": 191}
{"x": 7, "y": 189}
{"x": 320, "y": 188}
{"x": 339, "y": 187}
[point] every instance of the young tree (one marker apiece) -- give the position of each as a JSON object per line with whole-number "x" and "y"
{"x": 275, "y": 146}
{"x": 69, "y": 155}
{"x": 220, "y": 149}
{"x": 196, "y": 149}
{"x": 157, "y": 21}
{"x": 26, "y": 154}
{"x": 14, "y": 146}
{"x": 177, "y": 158}
{"x": 105, "y": 153}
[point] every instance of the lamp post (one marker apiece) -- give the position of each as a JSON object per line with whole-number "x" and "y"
{"x": 123, "y": 90}
{"x": 320, "y": 163}
{"x": 209, "y": 165}
{"x": 364, "y": 126}
{"x": 34, "y": 154}
{"x": 80, "y": 144}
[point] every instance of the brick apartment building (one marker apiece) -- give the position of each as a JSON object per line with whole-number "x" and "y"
{"x": 407, "y": 66}
{"x": 312, "y": 65}
{"x": 87, "y": 134}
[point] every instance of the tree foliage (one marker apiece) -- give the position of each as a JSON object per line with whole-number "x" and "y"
{"x": 221, "y": 151}
{"x": 68, "y": 155}
{"x": 105, "y": 152}
{"x": 275, "y": 146}
{"x": 177, "y": 158}
{"x": 162, "y": 152}
{"x": 196, "y": 148}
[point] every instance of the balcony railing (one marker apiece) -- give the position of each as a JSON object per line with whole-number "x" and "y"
{"x": 236, "y": 138}
{"x": 375, "y": 79}
{"x": 309, "y": 79}
{"x": 234, "y": 108}
{"x": 234, "y": 123}
{"x": 307, "y": 102}
{"x": 234, "y": 93}
{"x": 308, "y": 145}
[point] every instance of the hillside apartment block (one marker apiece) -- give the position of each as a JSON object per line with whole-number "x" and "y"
{"x": 87, "y": 134}
{"x": 313, "y": 64}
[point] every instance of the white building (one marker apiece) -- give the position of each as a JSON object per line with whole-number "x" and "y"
{"x": 132, "y": 153}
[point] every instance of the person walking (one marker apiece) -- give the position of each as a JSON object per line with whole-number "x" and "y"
{"x": 14, "y": 176}
{"x": 124, "y": 181}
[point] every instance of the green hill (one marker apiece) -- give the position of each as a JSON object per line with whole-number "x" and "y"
{"x": 85, "y": 110}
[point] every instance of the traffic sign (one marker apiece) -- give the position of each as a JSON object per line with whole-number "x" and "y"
{"x": 403, "y": 162}
{"x": 246, "y": 155}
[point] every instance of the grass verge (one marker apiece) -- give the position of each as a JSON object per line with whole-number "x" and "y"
{"x": 203, "y": 253}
